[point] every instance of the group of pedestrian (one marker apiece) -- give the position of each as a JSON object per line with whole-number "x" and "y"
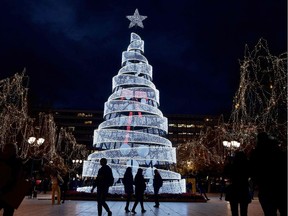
{"x": 266, "y": 169}
{"x": 140, "y": 187}
{"x": 105, "y": 179}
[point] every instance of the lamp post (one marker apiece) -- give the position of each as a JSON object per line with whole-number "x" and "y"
{"x": 33, "y": 141}
{"x": 77, "y": 166}
{"x": 232, "y": 146}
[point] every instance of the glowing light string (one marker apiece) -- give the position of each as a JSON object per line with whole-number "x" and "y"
{"x": 260, "y": 104}
{"x": 134, "y": 129}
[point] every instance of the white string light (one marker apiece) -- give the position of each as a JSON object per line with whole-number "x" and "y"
{"x": 260, "y": 104}
{"x": 134, "y": 130}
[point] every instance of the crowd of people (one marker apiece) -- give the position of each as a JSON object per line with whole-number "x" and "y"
{"x": 264, "y": 168}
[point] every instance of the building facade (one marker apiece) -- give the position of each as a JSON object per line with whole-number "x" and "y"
{"x": 82, "y": 123}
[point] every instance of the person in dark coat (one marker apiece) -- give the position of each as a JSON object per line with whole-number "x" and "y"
{"x": 238, "y": 191}
{"x": 140, "y": 187}
{"x": 64, "y": 187}
{"x": 103, "y": 181}
{"x": 269, "y": 169}
{"x": 10, "y": 168}
{"x": 128, "y": 186}
{"x": 202, "y": 188}
{"x": 157, "y": 184}
{"x": 222, "y": 187}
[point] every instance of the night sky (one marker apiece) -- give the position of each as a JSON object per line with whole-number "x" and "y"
{"x": 72, "y": 49}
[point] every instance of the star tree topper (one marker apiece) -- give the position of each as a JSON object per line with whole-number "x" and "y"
{"x": 136, "y": 19}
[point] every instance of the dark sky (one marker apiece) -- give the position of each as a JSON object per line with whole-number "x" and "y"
{"x": 72, "y": 49}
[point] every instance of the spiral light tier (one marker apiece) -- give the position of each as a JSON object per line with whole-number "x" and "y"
{"x": 134, "y": 129}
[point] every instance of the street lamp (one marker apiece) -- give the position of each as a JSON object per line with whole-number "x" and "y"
{"x": 233, "y": 145}
{"x": 77, "y": 165}
{"x": 36, "y": 142}
{"x": 77, "y": 161}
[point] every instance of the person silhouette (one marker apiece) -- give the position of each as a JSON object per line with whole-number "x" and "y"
{"x": 56, "y": 179}
{"x": 128, "y": 186}
{"x": 103, "y": 181}
{"x": 64, "y": 187}
{"x": 157, "y": 184}
{"x": 140, "y": 187}
{"x": 11, "y": 169}
{"x": 202, "y": 188}
{"x": 222, "y": 187}
{"x": 238, "y": 172}
{"x": 272, "y": 186}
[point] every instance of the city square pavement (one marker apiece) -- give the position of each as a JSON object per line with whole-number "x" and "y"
{"x": 41, "y": 206}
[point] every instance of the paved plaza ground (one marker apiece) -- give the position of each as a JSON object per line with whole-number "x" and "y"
{"x": 41, "y": 206}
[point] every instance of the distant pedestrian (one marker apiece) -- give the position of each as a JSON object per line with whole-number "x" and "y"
{"x": 269, "y": 164}
{"x": 237, "y": 192}
{"x": 45, "y": 185}
{"x": 64, "y": 187}
{"x": 128, "y": 187}
{"x": 222, "y": 187}
{"x": 202, "y": 188}
{"x": 157, "y": 184}
{"x": 33, "y": 188}
{"x": 56, "y": 180}
{"x": 251, "y": 188}
{"x": 103, "y": 181}
{"x": 140, "y": 187}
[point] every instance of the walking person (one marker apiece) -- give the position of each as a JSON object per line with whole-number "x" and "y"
{"x": 56, "y": 180}
{"x": 157, "y": 184}
{"x": 128, "y": 187}
{"x": 64, "y": 187}
{"x": 222, "y": 187}
{"x": 202, "y": 188}
{"x": 269, "y": 169}
{"x": 237, "y": 192}
{"x": 140, "y": 187}
{"x": 103, "y": 181}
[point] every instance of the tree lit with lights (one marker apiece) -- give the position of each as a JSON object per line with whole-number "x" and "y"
{"x": 35, "y": 137}
{"x": 260, "y": 104}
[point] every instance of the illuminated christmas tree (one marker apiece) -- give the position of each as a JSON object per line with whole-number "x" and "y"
{"x": 134, "y": 129}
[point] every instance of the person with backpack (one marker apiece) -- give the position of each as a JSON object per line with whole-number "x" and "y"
{"x": 103, "y": 181}
{"x": 157, "y": 184}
